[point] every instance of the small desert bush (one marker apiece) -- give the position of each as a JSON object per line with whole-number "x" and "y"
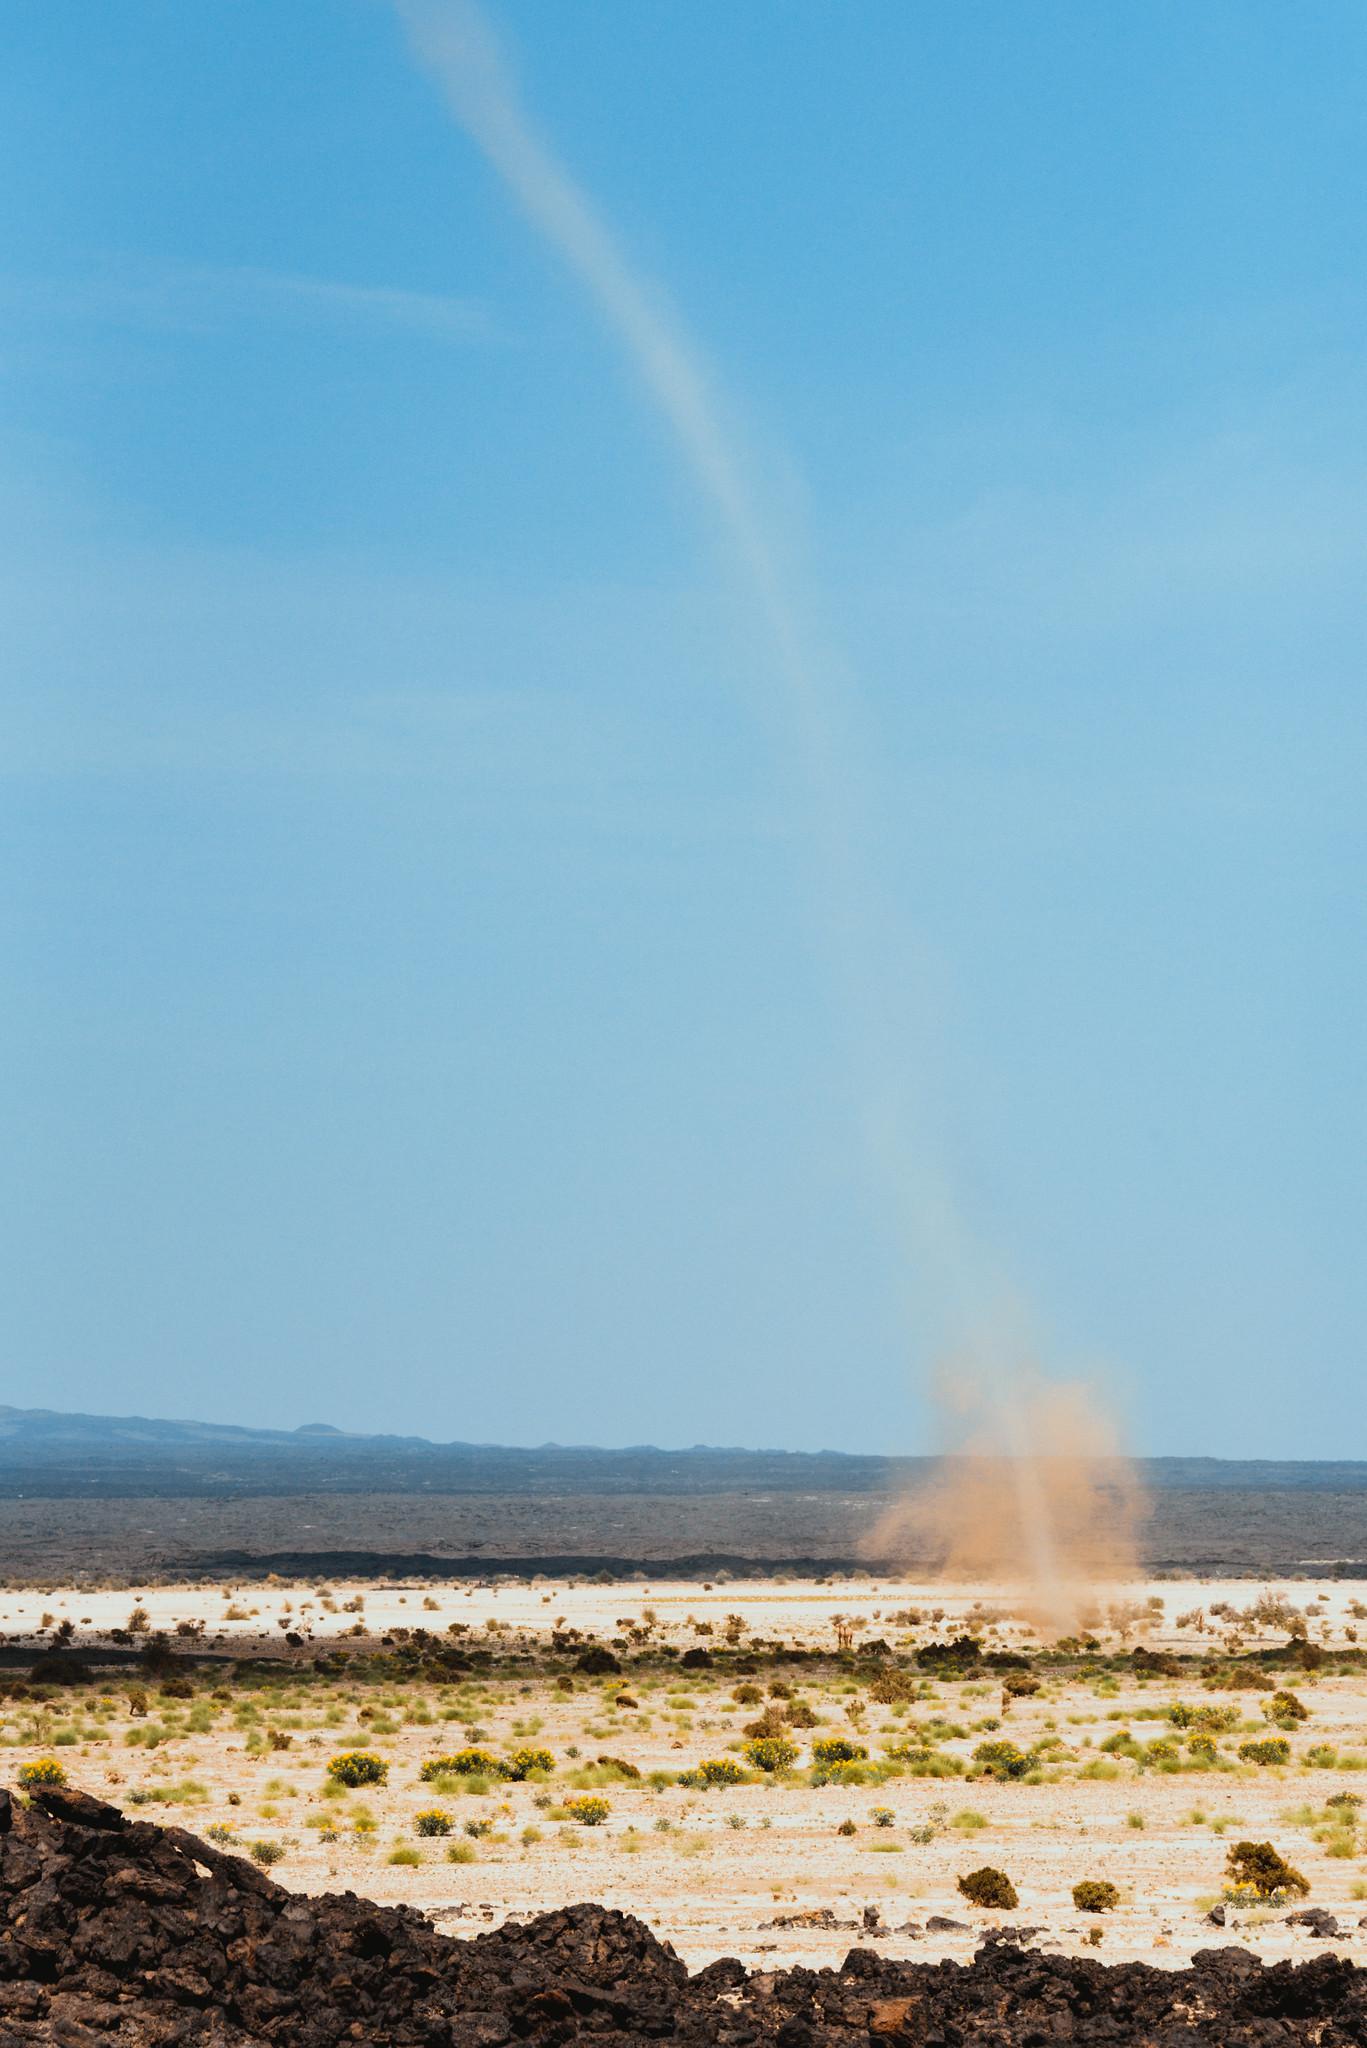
{"x": 854, "y": 1773}
{"x": 882, "y": 1816}
{"x": 266, "y": 1853}
{"x": 462, "y": 1852}
{"x": 1260, "y": 1868}
{"x": 1001, "y": 1759}
{"x": 909, "y": 1750}
{"x": 523, "y": 1762}
{"x": 838, "y": 1749}
{"x": 1285, "y": 1709}
{"x": 358, "y": 1767}
{"x": 771, "y": 1753}
{"x": 1273, "y": 1749}
{"x": 720, "y": 1770}
{"x": 1095, "y": 1895}
{"x": 1207, "y": 1720}
{"x": 432, "y": 1821}
{"x": 44, "y": 1770}
{"x": 465, "y": 1763}
{"x": 588, "y": 1811}
{"x": 988, "y": 1887}
{"x": 405, "y": 1853}
{"x": 891, "y": 1687}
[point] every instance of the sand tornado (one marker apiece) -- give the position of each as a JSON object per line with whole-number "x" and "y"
{"x": 1048, "y": 1551}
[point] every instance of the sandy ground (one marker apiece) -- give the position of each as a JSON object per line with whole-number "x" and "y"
{"x": 710, "y": 1868}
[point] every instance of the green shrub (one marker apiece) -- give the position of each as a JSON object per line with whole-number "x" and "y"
{"x": 771, "y": 1753}
{"x": 1208, "y": 1720}
{"x": 988, "y": 1887}
{"x": 720, "y": 1770}
{"x": 1095, "y": 1895}
{"x": 1321, "y": 1756}
{"x": 432, "y": 1821}
{"x": 266, "y": 1853}
{"x": 891, "y": 1687}
{"x": 922, "y": 1762}
{"x": 1263, "y": 1870}
{"x": 404, "y": 1854}
{"x": 1273, "y": 1749}
{"x": 358, "y": 1767}
{"x": 588, "y": 1811}
{"x": 909, "y": 1750}
{"x": 43, "y": 1771}
{"x": 523, "y": 1762}
{"x": 461, "y": 1852}
{"x": 838, "y": 1749}
{"x": 466, "y": 1763}
{"x": 882, "y": 1816}
{"x": 1001, "y": 1759}
{"x": 1285, "y": 1709}
{"x": 1202, "y": 1749}
{"x": 854, "y": 1773}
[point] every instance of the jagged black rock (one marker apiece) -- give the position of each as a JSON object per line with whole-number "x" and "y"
{"x": 120, "y": 1932}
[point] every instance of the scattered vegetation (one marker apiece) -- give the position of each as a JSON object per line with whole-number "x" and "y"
{"x": 353, "y": 1767}
{"x": 1262, "y": 1870}
{"x": 43, "y": 1771}
{"x": 587, "y": 1811}
{"x": 988, "y": 1887}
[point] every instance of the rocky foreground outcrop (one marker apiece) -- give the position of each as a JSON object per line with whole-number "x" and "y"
{"x": 118, "y": 1931}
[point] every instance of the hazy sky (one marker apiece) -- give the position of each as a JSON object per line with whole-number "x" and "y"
{"x": 416, "y": 1009}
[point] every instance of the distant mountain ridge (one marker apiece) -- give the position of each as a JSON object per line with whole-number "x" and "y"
{"x": 51, "y": 1454}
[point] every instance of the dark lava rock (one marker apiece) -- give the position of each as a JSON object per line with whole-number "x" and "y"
{"x": 1317, "y": 1920}
{"x": 120, "y": 1934}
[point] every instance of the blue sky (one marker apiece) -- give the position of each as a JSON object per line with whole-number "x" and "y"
{"x": 418, "y": 1013}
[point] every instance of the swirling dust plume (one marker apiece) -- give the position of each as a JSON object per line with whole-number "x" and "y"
{"x": 1033, "y": 1496}
{"x": 1034, "y": 1490}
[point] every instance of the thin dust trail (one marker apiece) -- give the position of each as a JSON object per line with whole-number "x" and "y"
{"x": 1043, "y": 1537}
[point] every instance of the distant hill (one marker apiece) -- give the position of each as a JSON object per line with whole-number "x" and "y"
{"x": 47, "y": 1454}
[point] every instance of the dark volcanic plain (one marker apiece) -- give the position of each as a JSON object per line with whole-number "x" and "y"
{"x": 91, "y": 1497}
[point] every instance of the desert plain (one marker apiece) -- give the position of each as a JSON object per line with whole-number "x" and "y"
{"x": 1140, "y": 1748}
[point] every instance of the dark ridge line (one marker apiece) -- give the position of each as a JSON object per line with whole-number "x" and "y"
{"x": 376, "y": 1564}
{"x": 423, "y": 1565}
